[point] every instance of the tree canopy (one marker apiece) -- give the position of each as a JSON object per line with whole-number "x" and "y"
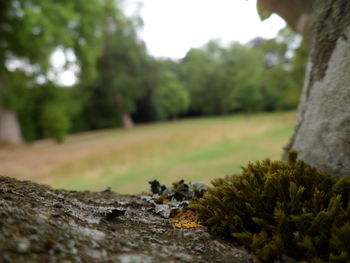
{"x": 118, "y": 81}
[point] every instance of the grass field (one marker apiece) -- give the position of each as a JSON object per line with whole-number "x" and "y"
{"x": 192, "y": 149}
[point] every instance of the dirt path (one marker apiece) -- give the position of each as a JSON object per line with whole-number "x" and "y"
{"x": 44, "y": 157}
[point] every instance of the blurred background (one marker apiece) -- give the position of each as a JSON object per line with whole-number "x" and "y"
{"x": 115, "y": 93}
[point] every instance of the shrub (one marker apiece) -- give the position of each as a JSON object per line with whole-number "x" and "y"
{"x": 278, "y": 208}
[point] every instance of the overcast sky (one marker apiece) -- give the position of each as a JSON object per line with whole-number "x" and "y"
{"x": 172, "y": 27}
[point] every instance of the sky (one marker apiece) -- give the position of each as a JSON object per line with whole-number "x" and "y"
{"x": 172, "y": 27}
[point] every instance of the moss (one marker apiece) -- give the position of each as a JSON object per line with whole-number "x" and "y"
{"x": 278, "y": 208}
{"x": 160, "y": 200}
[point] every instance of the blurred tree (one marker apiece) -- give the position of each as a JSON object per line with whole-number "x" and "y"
{"x": 11, "y": 99}
{"x": 49, "y": 113}
{"x": 283, "y": 73}
{"x": 163, "y": 85}
{"x": 262, "y": 75}
{"x": 121, "y": 72}
{"x": 221, "y": 79}
{"x": 170, "y": 98}
{"x": 195, "y": 70}
{"x": 30, "y": 30}
{"x": 245, "y": 66}
{"x": 56, "y": 109}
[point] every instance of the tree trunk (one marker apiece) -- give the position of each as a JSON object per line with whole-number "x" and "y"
{"x": 127, "y": 121}
{"x": 3, "y": 9}
{"x": 10, "y": 132}
{"x": 223, "y": 111}
{"x": 322, "y": 135}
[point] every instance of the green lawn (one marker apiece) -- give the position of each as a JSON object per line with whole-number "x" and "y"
{"x": 192, "y": 149}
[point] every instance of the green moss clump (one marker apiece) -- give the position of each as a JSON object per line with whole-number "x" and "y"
{"x": 278, "y": 208}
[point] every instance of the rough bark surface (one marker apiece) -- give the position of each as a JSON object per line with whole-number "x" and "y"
{"x": 322, "y": 136}
{"x": 40, "y": 224}
{"x": 10, "y": 132}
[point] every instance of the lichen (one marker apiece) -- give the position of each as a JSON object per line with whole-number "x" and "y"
{"x": 172, "y": 201}
{"x": 187, "y": 219}
{"x": 278, "y": 208}
{"x": 41, "y": 224}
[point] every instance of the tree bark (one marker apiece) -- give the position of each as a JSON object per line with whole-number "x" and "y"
{"x": 10, "y": 132}
{"x": 322, "y": 135}
{"x": 40, "y": 224}
{"x": 127, "y": 121}
{"x": 297, "y": 13}
{"x": 223, "y": 111}
{"x": 3, "y": 9}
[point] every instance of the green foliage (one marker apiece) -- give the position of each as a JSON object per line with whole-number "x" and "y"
{"x": 244, "y": 78}
{"x": 56, "y": 109}
{"x": 117, "y": 77}
{"x": 13, "y": 91}
{"x": 170, "y": 97}
{"x": 276, "y": 208}
{"x": 30, "y": 31}
{"x": 216, "y": 77}
{"x": 49, "y": 107}
{"x": 55, "y": 120}
{"x": 109, "y": 56}
{"x": 121, "y": 72}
